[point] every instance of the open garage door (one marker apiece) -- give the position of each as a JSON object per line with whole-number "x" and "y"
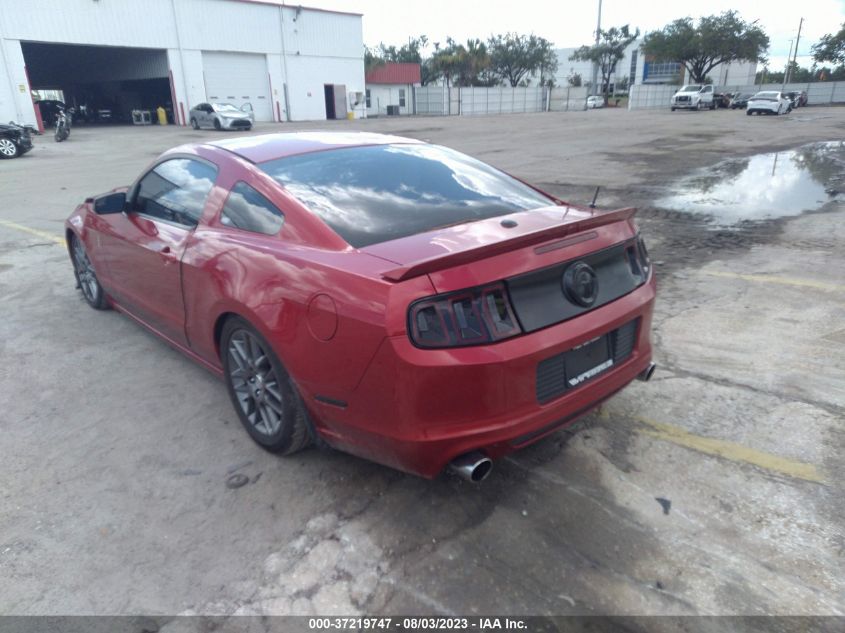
{"x": 103, "y": 83}
{"x": 238, "y": 78}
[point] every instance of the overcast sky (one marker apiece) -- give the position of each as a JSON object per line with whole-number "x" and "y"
{"x": 569, "y": 23}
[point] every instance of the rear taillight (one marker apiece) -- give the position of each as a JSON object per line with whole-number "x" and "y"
{"x": 468, "y": 317}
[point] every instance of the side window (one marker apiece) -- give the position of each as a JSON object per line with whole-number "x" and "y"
{"x": 248, "y": 210}
{"x": 369, "y": 101}
{"x": 175, "y": 190}
{"x": 401, "y": 97}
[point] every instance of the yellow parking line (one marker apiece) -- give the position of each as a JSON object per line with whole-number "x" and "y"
{"x": 43, "y": 234}
{"x": 774, "y": 279}
{"x": 731, "y": 450}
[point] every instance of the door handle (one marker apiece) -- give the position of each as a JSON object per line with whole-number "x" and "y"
{"x": 164, "y": 250}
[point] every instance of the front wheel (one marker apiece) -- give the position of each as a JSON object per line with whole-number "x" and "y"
{"x": 194, "y": 124}
{"x": 217, "y": 125}
{"x": 749, "y": 112}
{"x": 86, "y": 278}
{"x": 261, "y": 391}
{"x": 8, "y": 149}
{"x": 673, "y": 109}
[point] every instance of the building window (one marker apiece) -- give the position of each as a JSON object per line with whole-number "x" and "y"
{"x": 401, "y": 97}
{"x": 661, "y": 71}
{"x": 368, "y": 98}
{"x": 632, "y": 78}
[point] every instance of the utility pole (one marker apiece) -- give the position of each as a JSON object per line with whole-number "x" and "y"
{"x": 786, "y": 70}
{"x": 795, "y": 53}
{"x": 595, "y": 63}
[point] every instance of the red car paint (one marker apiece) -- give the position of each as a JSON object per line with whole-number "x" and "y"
{"x": 337, "y": 316}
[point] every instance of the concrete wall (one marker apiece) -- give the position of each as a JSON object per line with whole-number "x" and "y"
{"x": 15, "y": 100}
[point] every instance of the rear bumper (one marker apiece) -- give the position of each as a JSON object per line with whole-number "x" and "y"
{"x": 24, "y": 144}
{"x": 417, "y": 410}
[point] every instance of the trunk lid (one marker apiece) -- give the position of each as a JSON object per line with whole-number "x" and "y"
{"x": 534, "y": 237}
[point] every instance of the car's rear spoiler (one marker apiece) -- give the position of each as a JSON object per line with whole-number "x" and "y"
{"x": 440, "y": 262}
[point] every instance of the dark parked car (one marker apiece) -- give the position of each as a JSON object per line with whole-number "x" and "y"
{"x": 14, "y": 140}
{"x": 722, "y": 99}
{"x": 797, "y": 97}
{"x": 740, "y": 101}
{"x": 49, "y": 109}
{"x": 394, "y": 299}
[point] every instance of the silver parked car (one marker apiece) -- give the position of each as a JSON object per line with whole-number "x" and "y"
{"x": 221, "y": 116}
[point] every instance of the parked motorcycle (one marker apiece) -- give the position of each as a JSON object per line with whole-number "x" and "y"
{"x": 63, "y": 120}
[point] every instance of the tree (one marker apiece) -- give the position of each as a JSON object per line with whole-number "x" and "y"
{"x": 574, "y": 79}
{"x": 607, "y": 53}
{"x": 513, "y": 57}
{"x": 831, "y": 48}
{"x": 717, "y": 39}
{"x": 446, "y": 61}
{"x": 412, "y": 53}
{"x": 371, "y": 59}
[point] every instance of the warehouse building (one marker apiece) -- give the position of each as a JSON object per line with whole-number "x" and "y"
{"x": 288, "y": 63}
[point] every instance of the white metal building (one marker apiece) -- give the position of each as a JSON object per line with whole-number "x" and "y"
{"x": 390, "y": 88}
{"x": 291, "y": 63}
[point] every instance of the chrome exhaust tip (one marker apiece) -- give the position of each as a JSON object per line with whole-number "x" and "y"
{"x": 473, "y": 467}
{"x": 645, "y": 374}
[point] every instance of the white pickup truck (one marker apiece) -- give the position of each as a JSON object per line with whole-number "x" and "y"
{"x": 694, "y": 97}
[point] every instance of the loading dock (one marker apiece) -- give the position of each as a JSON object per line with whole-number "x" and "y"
{"x": 238, "y": 78}
{"x": 99, "y": 79}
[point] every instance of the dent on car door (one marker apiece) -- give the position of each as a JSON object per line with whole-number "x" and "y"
{"x": 145, "y": 256}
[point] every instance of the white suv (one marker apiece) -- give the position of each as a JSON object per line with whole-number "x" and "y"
{"x": 694, "y": 97}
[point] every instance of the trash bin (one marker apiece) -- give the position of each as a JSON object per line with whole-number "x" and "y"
{"x": 162, "y": 116}
{"x": 350, "y": 115}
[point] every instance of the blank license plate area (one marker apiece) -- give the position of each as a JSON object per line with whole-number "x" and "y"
{"x": 587, "y": 360}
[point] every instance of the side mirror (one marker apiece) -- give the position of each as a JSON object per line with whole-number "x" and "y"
{"x": 110, "y": 203}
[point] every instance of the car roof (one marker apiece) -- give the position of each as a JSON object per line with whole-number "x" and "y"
{"x": 264, "y": 147}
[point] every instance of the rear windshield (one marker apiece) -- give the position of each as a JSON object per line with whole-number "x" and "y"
{"x": 378, "y": 193}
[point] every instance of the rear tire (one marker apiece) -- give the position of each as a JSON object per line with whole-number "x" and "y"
{"x": 217, "y": 125}
{"x": 194, "y": 124}
{"x": 749, "y": 112}
{"x": 261, "y": 391}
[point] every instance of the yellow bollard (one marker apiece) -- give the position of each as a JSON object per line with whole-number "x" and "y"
{"x": 162, "y": 116}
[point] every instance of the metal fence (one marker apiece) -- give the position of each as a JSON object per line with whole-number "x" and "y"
{"x": 818, "y": 93}
{"x": 442, "y": 100}
{"x": 568, "y": 98}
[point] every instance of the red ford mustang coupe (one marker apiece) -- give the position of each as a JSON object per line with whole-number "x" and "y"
{"x": 394, "y": 299}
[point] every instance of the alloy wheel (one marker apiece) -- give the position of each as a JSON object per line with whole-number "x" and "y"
{"x": 255, "y": 383}
{"x": 85, "y": 273}
{"x": 7, "y": 148}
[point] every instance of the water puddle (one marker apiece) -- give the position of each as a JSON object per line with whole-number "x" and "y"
{"x": 764, "y": 186}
